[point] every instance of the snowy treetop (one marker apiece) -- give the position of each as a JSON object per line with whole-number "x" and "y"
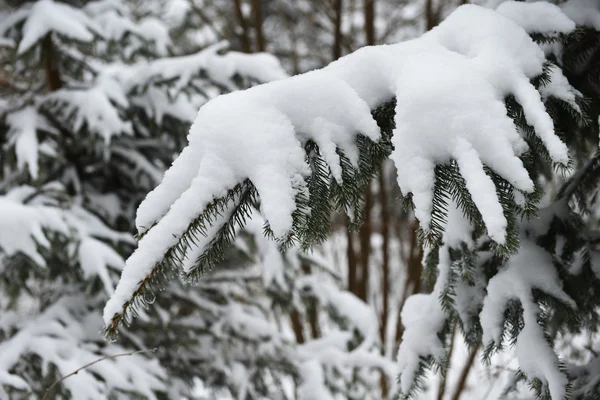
{"x": 298, "y": 142}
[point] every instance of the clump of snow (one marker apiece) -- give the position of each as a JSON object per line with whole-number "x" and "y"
{"x": 176, "y": 11}
{"x": 422, "y": 314}
{"x": 156, "y": 31}
{"x": 93, "y": 107}
{"x": 537, "y": 17}
{"x": 560, "y": 88}
{"x": 449, "y": 86}
{"x": 583, "y": 12}
{"x": 57, "y": 337}
{"x": 23, "y": 125}
{"x": 48, "y": 16}
{"x": 531, "y": 268}
{"x": 23, "y": 228}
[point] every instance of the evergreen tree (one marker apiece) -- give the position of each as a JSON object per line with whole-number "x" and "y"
{"x": 95, "y": 103}
{"x": 494, "y": 143}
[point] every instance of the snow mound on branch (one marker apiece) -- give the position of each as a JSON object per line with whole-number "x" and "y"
{"x": 449, "y": 85}
{"x": 23, "y": 126}
{"x": 537, "y": 17}
{"x": 422, "y": 314}
{"x": 583, "y": 12}
{"x": 57, "y": 336}
{"x": 48, "y": 16}
{"x": 23, "y": 228}
{"x": 531, "y": 268}
{"x": 94, "y": 108}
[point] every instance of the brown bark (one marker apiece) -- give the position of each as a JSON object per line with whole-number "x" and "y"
{"x": 432, "y": 14}
{"x": 258, "y": 22}
{"x": 245, "y": 36}
{"x": 313, "y": 313}
{"x": 352, "y": 261}
{"x": 337, "y": 36}
{"x": 462, "y": 381}
{"x": 369, "y": 8}
{"x": 365, "y": 247}
{"x": 385, "y": 284}
{"x": 297, "y": 326}
{"x": 51, "y": 64}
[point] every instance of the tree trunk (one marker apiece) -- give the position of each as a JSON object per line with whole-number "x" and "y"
{"x": 369, "y": 6}
{"x": 51, "y": 64}
{"x": 297, "y": 326}
{"x": 337, "y": 38}
{"x": 258, "y": 22}
{"x": 385, "y": 283}
{"x": 352, "y": 262}
{"x": 432, "y": 14}
{"x": 245, "y": 36}
{"x": 365, "y": 247}
{"x": 313, "y": 313}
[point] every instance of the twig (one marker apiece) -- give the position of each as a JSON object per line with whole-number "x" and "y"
{"x": 49, "y": 390}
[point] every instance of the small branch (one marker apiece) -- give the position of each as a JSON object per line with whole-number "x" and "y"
{"x": 462, "y": 381}
{"x": 442, "y": 385}
{"x": 49, "y": 390}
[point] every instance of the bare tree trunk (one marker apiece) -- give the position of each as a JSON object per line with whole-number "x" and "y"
{"x": 352, "y": 262}
{"x": 51, "y": 64}
{"x": 258, "y": 22}
{"x": 313, "y": 313}
{"x": 432, "y": 14}
{"x": 385, "y": 284}
{"x": 369, "y": 6}
{"x": 297, "y": 326}
{"x": 365, "y": 246}
{"x": 245, "y": 36}
{"x": 337, "y": 38}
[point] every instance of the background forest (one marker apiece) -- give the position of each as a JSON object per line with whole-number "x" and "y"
{"x": 96, "y": 101}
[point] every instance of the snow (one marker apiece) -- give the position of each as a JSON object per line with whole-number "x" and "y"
{"x": 583, "y": 12}
{"x": 531, "y": 268}
{"x": 560, "y": 88}
{"x": 313, "y": 385}
{"x": 93, "y": 107}
{"x": 23, "y": 125}
{"x": 449, "y": 85}
{"x": 176, "y": 11}
{"x": 537, "y": 17}
{"x": 95, "y": 257}
{"x": 23, "y": 228}
{"x": 49, "y": 16}
{"x": 58, "y": 337}
{"x": 156, "y": 31}
{"x": 422, "y": 314}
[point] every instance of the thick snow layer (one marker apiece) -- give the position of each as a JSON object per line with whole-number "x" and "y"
{"x": 49, "y": 16}
{"x": 583, "y": 12}
{"x": 449, "y": 85}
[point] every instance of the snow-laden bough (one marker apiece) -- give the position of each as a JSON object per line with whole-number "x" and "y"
{"x": 449, "y": 87}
